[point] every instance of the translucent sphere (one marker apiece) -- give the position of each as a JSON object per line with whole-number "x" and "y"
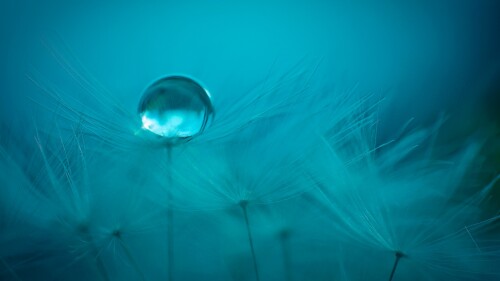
{"x": 176, "y": 108}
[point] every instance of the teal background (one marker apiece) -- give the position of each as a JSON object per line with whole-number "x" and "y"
{"x": 427, "y": 52}
{"x": 424, "y": 59}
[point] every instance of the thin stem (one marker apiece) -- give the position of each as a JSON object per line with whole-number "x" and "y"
{"x": 399, "y": 255}
{"x": 170, "y": 218}
{"x": 129, "y": 256}
{"x": 102, "y": 269}
{"x": 243, "y": 205}
{"x": 83, "y": 230}
{"x": 285, "y": 251}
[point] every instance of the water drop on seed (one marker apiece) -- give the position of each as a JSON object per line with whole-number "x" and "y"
{"x": 176, "y": 108}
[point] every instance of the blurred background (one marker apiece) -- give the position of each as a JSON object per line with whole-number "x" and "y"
{"x": 427, "y": 59}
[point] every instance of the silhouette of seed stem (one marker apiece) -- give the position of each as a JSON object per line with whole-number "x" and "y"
{"x": 129, "y": 255}
{"x": 243, "y": 205}
{"x": 285, "y": 251}
{"x": 101, "y": 268}
{"x": 170, "y": 218}
{"x": 399, "y": 255}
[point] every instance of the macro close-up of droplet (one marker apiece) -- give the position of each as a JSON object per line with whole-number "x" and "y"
{"x": 249, "y": 140}
{"x": 175, "y": 108}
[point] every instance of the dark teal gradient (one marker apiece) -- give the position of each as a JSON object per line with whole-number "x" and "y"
{"x": 422, "y": 59}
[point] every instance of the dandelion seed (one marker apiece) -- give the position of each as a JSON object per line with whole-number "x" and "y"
{"x": 177, "y": 109}
{"x": 380, "y": 204}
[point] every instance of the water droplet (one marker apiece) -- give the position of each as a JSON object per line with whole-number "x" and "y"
{"x": 176, "y": 108}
